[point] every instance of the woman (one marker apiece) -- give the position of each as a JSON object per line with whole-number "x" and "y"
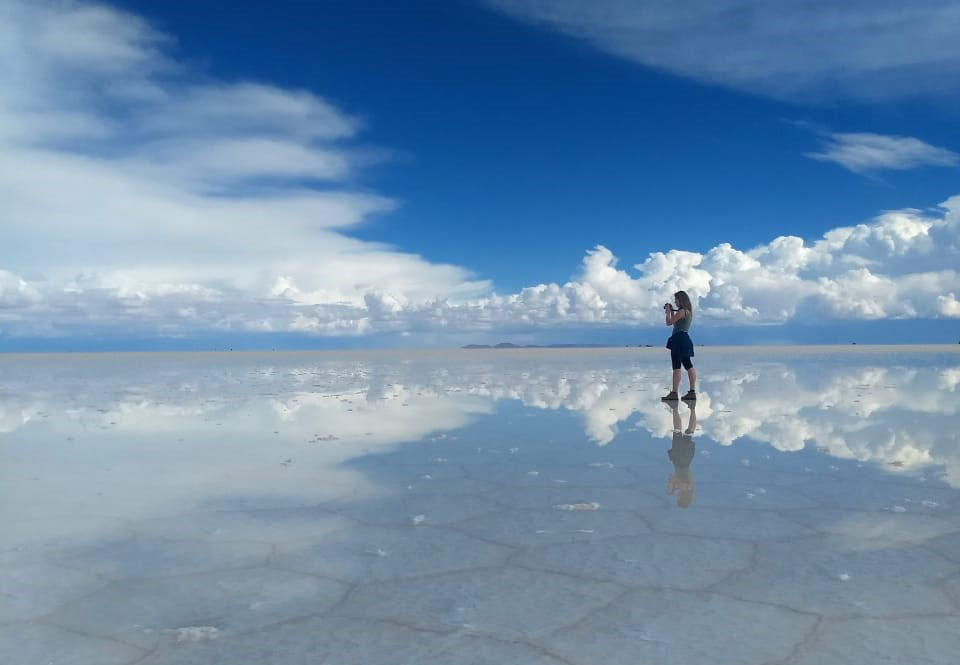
{"x": 681, "y": 482}
{"x": 680, "y": 344}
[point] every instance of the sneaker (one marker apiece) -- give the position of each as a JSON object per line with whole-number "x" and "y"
{"x": 691, "y": 396}
{"x": 669, "y": 397}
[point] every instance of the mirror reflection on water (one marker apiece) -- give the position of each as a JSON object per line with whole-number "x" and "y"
{"x": 480, "y": 507}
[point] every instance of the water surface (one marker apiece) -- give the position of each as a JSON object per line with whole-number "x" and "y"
{"x": 477, "y": 507}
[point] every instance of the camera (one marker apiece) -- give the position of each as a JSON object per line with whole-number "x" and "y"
{"x": 668, "y": 306}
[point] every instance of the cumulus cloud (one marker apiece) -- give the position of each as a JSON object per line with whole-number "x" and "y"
{"x": 135, "y": 191}
{"x": 141, "y": 198}
{"x": 865, "y": 153}
{"x": 902, "y": 264}
{"x": 794, "y": 50}
{"x": 949, "y": 305}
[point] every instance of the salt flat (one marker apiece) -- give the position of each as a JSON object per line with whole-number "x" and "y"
{"x": 528, "y": 506}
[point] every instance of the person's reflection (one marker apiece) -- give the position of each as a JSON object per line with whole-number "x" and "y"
{"x": 681, "y": 482}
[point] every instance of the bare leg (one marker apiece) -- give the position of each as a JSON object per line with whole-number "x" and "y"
{"x": 676, "y": 380}
{"x": 691, "y": 374}
{"x": 692, "y": 424}
{"x": 677, "y": 424}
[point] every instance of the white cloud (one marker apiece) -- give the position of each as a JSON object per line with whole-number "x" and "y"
{"x": 137, "y": 193}
{"x": 791, "y": 49}
{"x": 901, "y": 264}
{"x": 865, "y": 153}
{"x": 949, "y": 305}
{"x": 140, "y": 199}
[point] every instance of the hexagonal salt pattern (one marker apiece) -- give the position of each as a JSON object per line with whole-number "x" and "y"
{"x": 748, "y": 525}
{"x": 560, "y": 494}
{"x": 354, "y": 642}
{"x": 149, "y": 612}
{"x": 843, "y": 578}
{"x": 32, "y": 590}
{"x": 657, "y": 560}
{"x": 503, "y": 601}
{"x": 530, "y": 527}
{"x": 933, "y": 640}
{"x": 480, "y": 509}
{"x": 947, "y": 546}
{"x": 273, "y": 525}
{"x": 40, "y": 643}
{"x": 677, "y": 628}
{"x": 134, "y": 557}
{"x": 402, "y": 507}
{"x": 881, "y": 528}
{"x": 371, "y": 553}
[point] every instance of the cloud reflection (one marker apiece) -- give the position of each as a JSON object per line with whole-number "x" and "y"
{"x": 896, "y": 415}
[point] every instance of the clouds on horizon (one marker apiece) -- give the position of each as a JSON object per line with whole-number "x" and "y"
{"x": 900, "y": 265}
{"x": 143, "y": 198}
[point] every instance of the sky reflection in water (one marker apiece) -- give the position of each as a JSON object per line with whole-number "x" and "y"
{"x": 480, "y": 507}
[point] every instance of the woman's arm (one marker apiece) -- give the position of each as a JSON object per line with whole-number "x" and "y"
{"x": 675, "y": 316}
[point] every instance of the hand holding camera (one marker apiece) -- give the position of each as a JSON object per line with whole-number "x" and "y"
{"x": 668, "y": 306}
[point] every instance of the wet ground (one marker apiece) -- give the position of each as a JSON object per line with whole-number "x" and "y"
{"x": 480, "y": 507}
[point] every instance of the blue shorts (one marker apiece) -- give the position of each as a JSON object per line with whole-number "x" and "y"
{"x": 681, "y": 350}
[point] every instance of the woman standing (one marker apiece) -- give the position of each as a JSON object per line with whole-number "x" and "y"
{"x": 680, "y": 344}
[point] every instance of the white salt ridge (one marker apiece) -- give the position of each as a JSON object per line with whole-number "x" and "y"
{"x": 377, "y": 552}
{"x": 194, "y": 633}
{"x": 418, "y": 519}
{"x": 575, "y": 507}
{"x": 926, "y": 503}
{"x": 843, "y": 577}
{"x": 533, "y": 473}
{"x": 899, "y": 509}
{"x": 745, "y": 462}
{"x": 601, "y": 465}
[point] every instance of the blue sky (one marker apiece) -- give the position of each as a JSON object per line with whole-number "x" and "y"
{"x": 504, "y": 127}
{"x": 428, "y": 162}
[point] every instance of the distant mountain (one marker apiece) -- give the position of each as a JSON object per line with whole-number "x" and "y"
{"x": 510, "y": 345}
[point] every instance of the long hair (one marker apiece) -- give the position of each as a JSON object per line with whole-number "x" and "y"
{"x": 684, "y": 300}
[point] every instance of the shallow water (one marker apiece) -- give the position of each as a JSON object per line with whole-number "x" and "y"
{"x": 480, "y": 507}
